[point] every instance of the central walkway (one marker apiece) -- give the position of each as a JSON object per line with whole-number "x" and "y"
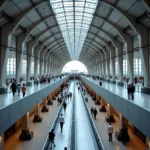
{"x": 62, "y": 139}
{"x": 83, "y": 130}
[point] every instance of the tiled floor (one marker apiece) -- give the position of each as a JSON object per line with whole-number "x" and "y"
{"x": 101, "y": 125}
{"x": 140, "y": 99}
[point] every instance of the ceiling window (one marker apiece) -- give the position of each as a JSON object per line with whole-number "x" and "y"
{"x": 74, "y": 18}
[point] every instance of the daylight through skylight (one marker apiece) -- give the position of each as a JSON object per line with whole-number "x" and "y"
{"x": 74, "y": 18}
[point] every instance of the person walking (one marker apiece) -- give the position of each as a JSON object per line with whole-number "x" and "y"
{"x": 95, "y": 113}
{"x": 23, "y": 90}
{"x": 65, "y": 105}
{"x": 129, "y": 91}
{"x": 61, "y": 121}
{"x": 51, "y": 138}
{"x": 132, "y": 91}
{"x": 92, "y": 111}
{"x": 100, "y": 83}
{"x": 62, "y": 95}
{"x": 18, "y": 88}
{"x": 110, "y": 131}
{"x": 78, "y": 88}
{"x": 58, "y": 100}
{"x": 70, "y": 95}
{"x": 13, "y": 88}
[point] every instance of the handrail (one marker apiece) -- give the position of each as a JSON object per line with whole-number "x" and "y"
{"x": 72, "y": 143}
{"x": 96, "y": 134}
{"x": 47, "y": 142}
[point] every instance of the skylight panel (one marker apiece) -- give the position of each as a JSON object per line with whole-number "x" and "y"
{"x": 74, "y": 19}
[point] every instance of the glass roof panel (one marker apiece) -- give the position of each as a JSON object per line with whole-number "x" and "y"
{"x": 74, "y": 18}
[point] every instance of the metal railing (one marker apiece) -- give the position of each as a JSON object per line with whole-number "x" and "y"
{"x": 47, "y": 141}
{"x": 72, "y": 143}
{"x": 95, "y": 132}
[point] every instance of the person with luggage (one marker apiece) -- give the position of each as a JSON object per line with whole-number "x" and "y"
{"x": 61, "y": 121}
{"x": 110, "y": 131}
{"x": 95, "y": 113}
{"x": 51, "y": 138}
{"x": 65, "y": 105}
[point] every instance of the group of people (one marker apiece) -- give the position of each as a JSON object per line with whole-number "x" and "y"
{"x": 131, "y": 90}
{"x": 45, "y": 79}
{"x": 17, "y": 87}
{"x": 94, "y": 112}
{"x": 61, "y": 120}
{"x": 69, "y": 95}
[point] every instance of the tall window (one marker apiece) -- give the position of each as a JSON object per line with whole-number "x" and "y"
{"x": 125, "y": 67}
{"x": 11, "y": 66}
{"x": 32, "y": 68}
{"x": 24, "y": 66}
{"x": 116, "y": 67}
{"x": 138, "y": 66}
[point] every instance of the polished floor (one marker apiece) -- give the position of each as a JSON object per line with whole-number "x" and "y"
{"x": 140, "y": 99}
{"x": 101, "y": 125}
{"x": 63, "y": 139}
{"x": 7, "y": 99}
{"x": 40, "y": 132}
{"x": 83, "y": 129}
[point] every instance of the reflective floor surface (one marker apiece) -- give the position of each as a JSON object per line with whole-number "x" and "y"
{"x": 140, "y": 99}
{"x": 8, "y": 99}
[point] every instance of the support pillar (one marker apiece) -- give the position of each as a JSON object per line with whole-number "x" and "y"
{"x": 103, "y": 109}
{"x": 49, "y": 100}
{"x": 2, "y": 141}
{"x": 98, "y": 98}
{"x": 25, "y": 133}
{"x": 37, "y": 117}
{"x": 110, "y": 115}
{"x": 94, "y": 96}
{"x": 44, "y": 103}
{"x": 123, "y": 122}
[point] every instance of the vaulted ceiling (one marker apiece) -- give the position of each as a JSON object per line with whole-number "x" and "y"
{"x": 79, "y": 29}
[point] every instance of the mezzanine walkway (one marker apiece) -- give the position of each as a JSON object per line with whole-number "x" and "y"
{"x": 140, "y": 99}
{"x": 8, "y": 99}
